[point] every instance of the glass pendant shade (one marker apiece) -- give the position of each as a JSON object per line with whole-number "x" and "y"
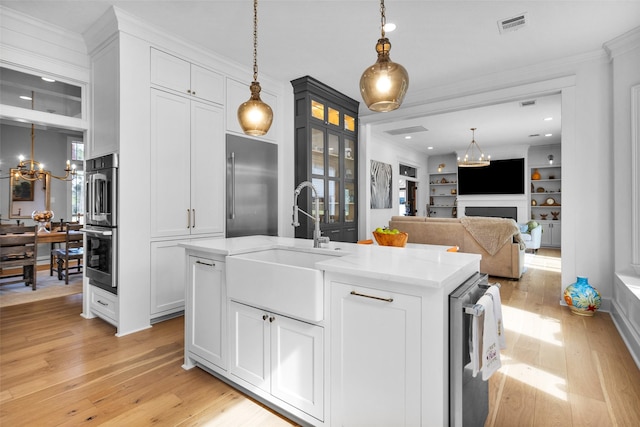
{"x": 255, "y": 116}
{"x": 384, "y": 84}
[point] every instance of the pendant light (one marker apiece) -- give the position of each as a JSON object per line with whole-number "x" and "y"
{"x": 474, "y": 157}
{"x": 255, "y": 116}
{"x": 384, "y": 84}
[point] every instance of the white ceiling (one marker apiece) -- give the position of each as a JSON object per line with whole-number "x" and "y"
{"x": 438, "y": 42}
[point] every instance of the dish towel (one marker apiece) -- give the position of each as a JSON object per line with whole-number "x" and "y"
{"x": 485, "y": 347}
{"x": 475, "y": 342}
{"x": 494, "y": 293}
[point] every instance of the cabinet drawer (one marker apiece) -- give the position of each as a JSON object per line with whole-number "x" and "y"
{"x": 103, "y": 302}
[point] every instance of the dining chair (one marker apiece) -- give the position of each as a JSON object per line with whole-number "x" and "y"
{"x": 19, "y": 248}
{"x": 73, "y": 250}
{"x": 56, "y": 245}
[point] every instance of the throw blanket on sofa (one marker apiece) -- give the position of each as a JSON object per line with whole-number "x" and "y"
{"x": 492, "y": 233}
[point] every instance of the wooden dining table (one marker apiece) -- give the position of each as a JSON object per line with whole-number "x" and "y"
{"x": 54, "y": 236}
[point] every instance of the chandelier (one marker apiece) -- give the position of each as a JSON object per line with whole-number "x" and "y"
{"x": 474, "y": 157}
{"x": 255, "y": 116}
{"x": 31, "y": 169}
{"x": 384, "y": 84}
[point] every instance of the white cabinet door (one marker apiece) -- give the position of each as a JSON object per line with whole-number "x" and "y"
{"x": 167, "y": 278}
{"x": 551, "y": 232}
{"x": 187, "y": 167}
{"x": 208, "y": 169}
{"x": 170, "y": 71}
{"x": 249, "y": 352}
{"x": 207, "y": 84}
{"x": 170, "y": 213}
{"x": 280, "y": 355}
{"x": 105, "y": 101}
{"x": 375, "y": 357}
{"x": 177, "y": 74}
{"x": 297, "y": 364}
{"x": 206, "y": 313}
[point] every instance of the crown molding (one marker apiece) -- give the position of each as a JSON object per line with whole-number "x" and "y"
{"x": 624, "y": 43}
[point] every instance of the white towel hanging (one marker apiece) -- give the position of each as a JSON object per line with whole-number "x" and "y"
{"x": 494, "y": 293}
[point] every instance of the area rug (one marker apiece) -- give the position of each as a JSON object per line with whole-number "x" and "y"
{"x": 13, "y": 291}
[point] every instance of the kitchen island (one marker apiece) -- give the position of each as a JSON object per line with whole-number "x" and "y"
{"x": 371, "y": 348}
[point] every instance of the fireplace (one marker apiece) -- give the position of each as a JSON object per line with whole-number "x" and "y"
{"x": 493, "y": 211}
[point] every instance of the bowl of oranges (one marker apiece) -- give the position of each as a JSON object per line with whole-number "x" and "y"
{"x": 387, "y": 237}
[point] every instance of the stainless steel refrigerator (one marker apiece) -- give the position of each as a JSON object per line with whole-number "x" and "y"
{"x": 252, "y": 187}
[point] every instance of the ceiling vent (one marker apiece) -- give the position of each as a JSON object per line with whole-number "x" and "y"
{"x": 404, "y": 131}
{"x": 528, "y": 103}
{"x": 513, "y": 24}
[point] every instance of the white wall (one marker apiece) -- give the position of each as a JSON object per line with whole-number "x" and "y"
{"x": 386, "y": 152}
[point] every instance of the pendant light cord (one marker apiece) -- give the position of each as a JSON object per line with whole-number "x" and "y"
{"x": 255, "y": 40}
{"x": 383, "y": 18}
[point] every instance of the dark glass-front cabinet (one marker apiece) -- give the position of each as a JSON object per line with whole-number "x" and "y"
{"x": 326, "y": 152}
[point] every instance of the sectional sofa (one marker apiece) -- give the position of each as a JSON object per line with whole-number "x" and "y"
{"x": 498, "y": 240}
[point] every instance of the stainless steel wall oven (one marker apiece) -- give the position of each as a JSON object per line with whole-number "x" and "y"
{"x": 101, "y": 222}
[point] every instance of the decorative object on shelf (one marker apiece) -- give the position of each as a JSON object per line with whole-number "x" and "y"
{"x": 454, "y": 191}
{"x": 550, "y": 158}
{"x": 555, "y": 215}
{"x": 30, "y": 173}
{"x": 550, "y": 201}
{"x": 540, "y": 190}
{"x": 441, "y": 167}
{"x": 255, "y": 116}
{"x": 582, "y": 298}
{"x": 533, "y": 202}
{"x": 535, "y": 175}
{"x": 444, "y": 181}
{"x": 384, "y": 84}
{"x": 42, "y": 218}
{"x": 474, "y": 157}
{"x": 398, "y": 239}
{"x": 552, "y": 177}
{"x": 543, "y": 216}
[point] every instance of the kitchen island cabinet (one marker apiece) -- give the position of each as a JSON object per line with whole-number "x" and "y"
{"x": 206, "y": 313}
{"x": 279, "y": 355}
{"x": 375, "y": 357}
{"x": 380, "y": 352}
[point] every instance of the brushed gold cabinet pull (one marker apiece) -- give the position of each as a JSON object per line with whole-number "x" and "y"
{"x": 194, "y": 218}
{"x": 188, "y": 218}
{"x": 371, "y": 296}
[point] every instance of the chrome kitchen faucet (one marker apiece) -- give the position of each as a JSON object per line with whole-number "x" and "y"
{"x": 318, "y": 240}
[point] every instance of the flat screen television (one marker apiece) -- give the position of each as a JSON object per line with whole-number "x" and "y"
{"x": 500, "y": 177}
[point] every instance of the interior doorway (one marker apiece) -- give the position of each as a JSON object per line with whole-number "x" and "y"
{"x": 408, "y": 191}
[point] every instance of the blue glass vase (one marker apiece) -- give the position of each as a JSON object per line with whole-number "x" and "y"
{"x": 582, "y": 298}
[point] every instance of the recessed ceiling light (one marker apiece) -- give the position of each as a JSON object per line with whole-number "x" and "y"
{"x": 47, "y": 79}
{"x": 389, "y": 26}
{"x": 548, "y": 134}
{"x": 546, "y": 119}
{"x": 429, "y": 148}
{"x": 25, "y": 97}
{"x": 407, "y": 137}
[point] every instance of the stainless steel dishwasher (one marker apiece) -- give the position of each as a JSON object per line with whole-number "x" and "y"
{"x": 468, "y": 396}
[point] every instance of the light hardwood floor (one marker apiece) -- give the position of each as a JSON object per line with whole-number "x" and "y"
{"x": 57, "y": 368}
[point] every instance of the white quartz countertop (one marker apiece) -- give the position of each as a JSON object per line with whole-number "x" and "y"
{"x": 422, "y": 265}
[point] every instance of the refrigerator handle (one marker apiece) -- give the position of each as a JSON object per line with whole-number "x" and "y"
{"x": 232, "y": 215}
